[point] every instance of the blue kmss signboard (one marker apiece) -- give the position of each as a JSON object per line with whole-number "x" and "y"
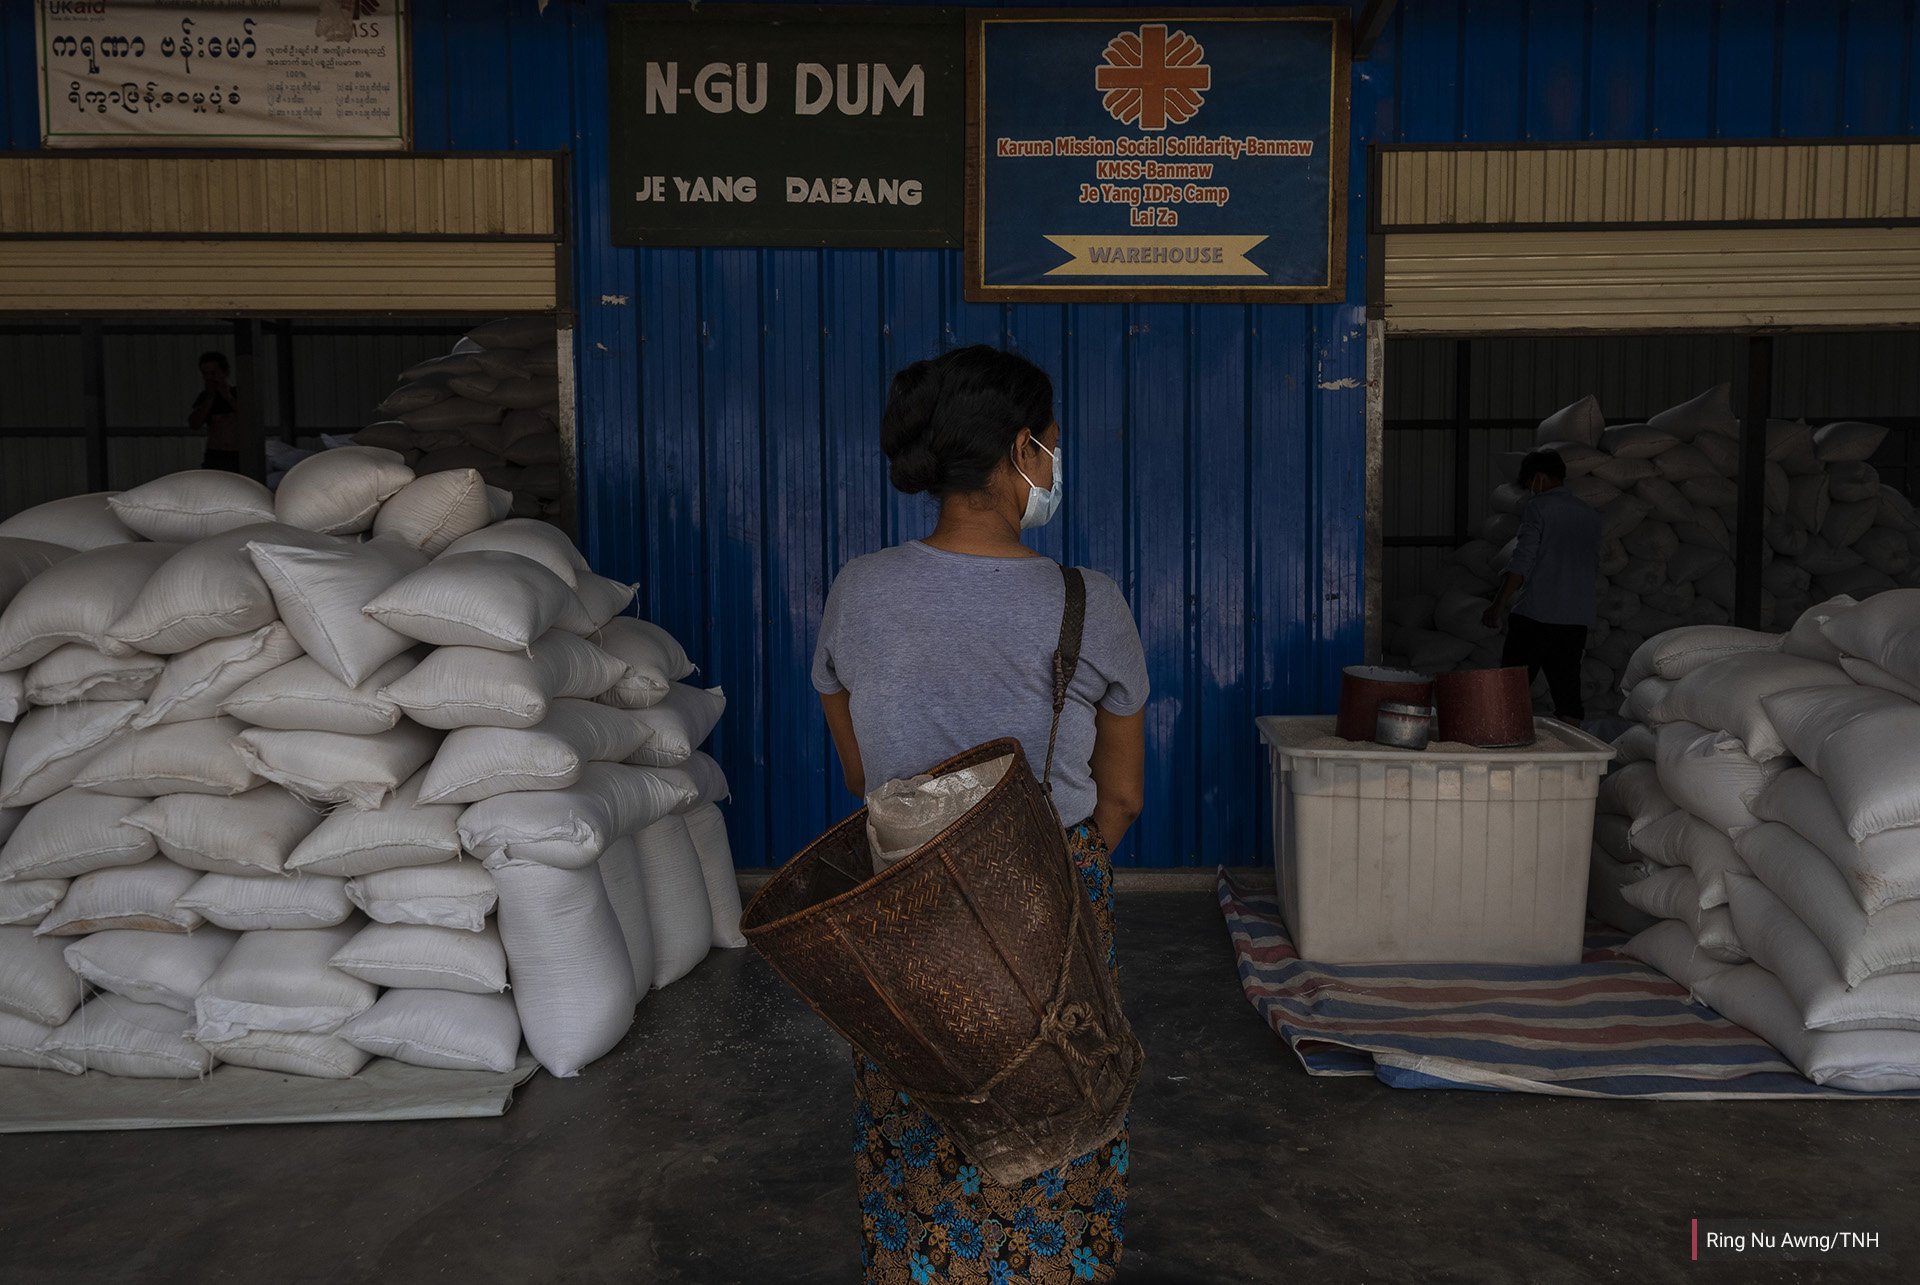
{"x": 1198, "y": 156}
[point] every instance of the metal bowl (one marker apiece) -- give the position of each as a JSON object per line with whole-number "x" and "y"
{"x": 1404, "y": 727}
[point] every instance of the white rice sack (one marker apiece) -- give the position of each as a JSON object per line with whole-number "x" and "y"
{"x": 339, "y": 492}
{"x": 1593, "y": 491}
{"x": 1625, "y": 472}
{"x": 1622, "y": 516}
{"x": 248, "y": 834}
{"x": 138, "y": 897}
{"x": 1605, "y": 879}
{"x": 447, "y": 413}
{"x": 302, "y": 695}
{"x": 1779, "y": 488}
{"x": 1868, "y": 674}
{"x": 1705, "y": 611}
{"x": 1581, "y": 422}
{"x": 460, "y": 457}
{"x": 525, "y": 394}
{"x": 681, "y": 724}
{"x": 1785, "y": 536}
{"x": 1726, "y": 695}
{"x": 1787, "y": 437}
{"x": 708, "y": 780}
{"x": 1883, "y": 629}
{"x": 255, "y": 905}
{"x": 572, "y": 827}
{"x": 530, "y": 538}
{"x": 49, "y": 747}
{"x": 1886, "y": 551}
{"x": 1671, "y": 600}
{"x": 1709, "y": 492}
{"x": 1462, "y": 616}
{"x": 399, "y": 833}
{"x": 1846, "y": 523}
{"x": 651, "y": 653}
{"x": 1636, "y": 441}
{"x": 567, "y": 961}
{"x": 1663, "y": 500}
{"x": 601, "y": 601}
{"x": 480, "y": 687}
{"x": 23, "y": 560}
{"x": 1499, "y": 528}
{"x": 1847, "y": 440}
{"x": 199, "y": 680}
{"x": 1786, "y": 583}
{"x": 208, "y": 590}
{"x": 487, "y": 599}
{"x": 281, "y": 981}
{"x": 77, "y": 672}
{"x": 387, "y": 435}
{"x": 1860, "y": 945}
{"x": 1610, "y": 834}
{"x": 1653, "y": 541}
{"x": 1509, "y": 498}
{"x": 414, "y": 957}
{"x": 620, "y": 875}
{"x": 430, "y": 513}
{"x": 117, "y": 1036}
{"x": 678, "y": 905}
{"x": 35, "y": 982}
{"x": 1897, "y": 511}
{"x": 1865, "y": 744}
{"x": 174, "y": 758}
{"x": 1853, "y": 483}
{"x": 457, "y": 894}
{"x": 1708, "y": 530}
{"x": 708, "y": 830}
{"x": 1860, "y": 582}
{"x": 1807, "y": 719}
{"x": 1617, "y": 606}
{"x": 536, "y": 449}
{"x": 1718, "y": 587}
{"x": 330, "y": 767}
{"x": 1711, "y": 413}
{"x": 1862, "y": 1061}
{"x": 322, "y": 595}
{"x": 1822, "y": 559}
{"x": 78, "y": 522}
{"x": 438, "y": 1028}
{"x": 22, "y": 1042}
{"x": 1634, "y": 791}
{"x": 78, "y": 600}
{"x": 1670, "y": 947}
{"x": 1641, "y": 578}
{"x": 476, "y": 763}
{"x": 1415, "y": 611}
{"x": 74, "y": 833}
{"x": 418, "y": 394}
{"x": 1681, "y": 839}
{"x": 1647, "y": 622}
{"x": 181, "y": 508}
{"x": 1680, "y": 652}
{"x": 28, "y": 901}
{"x": 1477, "y": 557}
{"x": 323, "y": 1057}
{"x": 13, "y": 697}
{"x": 1722, "y": 451}
{"x": 151, "y": 968}
{"x": 1809, "y": 500}
{"x": 1638, "y": 744}
{"x": 1673, "y": 894}
{"x": 1683, "y": 463}
{"x": 1711, "y": 779}
{"x": 1786, "y": 947}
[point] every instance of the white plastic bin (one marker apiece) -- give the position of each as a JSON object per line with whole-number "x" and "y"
{"x": 1446, "y": 855}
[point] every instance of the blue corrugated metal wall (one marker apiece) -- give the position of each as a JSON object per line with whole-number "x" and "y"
{"x": 729, "y": 397}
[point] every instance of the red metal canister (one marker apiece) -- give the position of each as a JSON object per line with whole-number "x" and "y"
{"x": 1364, "y": 688}
{"x": 1488, "y": 708}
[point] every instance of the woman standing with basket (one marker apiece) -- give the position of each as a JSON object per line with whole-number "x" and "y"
{"x": 927, "y": 649}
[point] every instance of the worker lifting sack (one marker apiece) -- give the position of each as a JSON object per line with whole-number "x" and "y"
{"x": 969, "y": 971}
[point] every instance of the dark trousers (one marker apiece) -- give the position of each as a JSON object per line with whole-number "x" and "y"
{"x": 1557, "y": 649}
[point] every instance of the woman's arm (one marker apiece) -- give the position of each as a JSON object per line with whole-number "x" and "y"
{"x": 1119, "y": 771}
{"x": 839, "y": 711}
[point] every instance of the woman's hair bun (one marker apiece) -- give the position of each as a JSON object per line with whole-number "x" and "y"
{"x": 951, "y": 420}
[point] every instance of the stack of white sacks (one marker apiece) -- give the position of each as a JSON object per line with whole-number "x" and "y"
{"x": 1668, "y": 492}
{"x": 1764, "y": 819}
{"x": 268, "y": 764}
{"x": 492, "y": 405}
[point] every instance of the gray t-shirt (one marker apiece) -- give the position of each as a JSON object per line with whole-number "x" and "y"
{"x": 942, "y": 651}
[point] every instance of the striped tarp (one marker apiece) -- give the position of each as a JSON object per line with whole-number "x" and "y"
{"x": 1608, "y": 1026}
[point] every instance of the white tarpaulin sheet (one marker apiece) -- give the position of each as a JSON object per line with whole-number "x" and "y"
{"x": 214, "y": 73}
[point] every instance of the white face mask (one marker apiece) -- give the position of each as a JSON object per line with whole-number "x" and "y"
{"x": 1042, "y": 505}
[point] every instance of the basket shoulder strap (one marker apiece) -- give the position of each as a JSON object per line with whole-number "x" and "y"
{"x": 1066, "y": 658}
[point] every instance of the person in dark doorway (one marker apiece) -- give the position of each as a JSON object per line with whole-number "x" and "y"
{"x": 928, "y": 649}
{"x": 1554, "y": 572}
{"x": 216, "y": 411}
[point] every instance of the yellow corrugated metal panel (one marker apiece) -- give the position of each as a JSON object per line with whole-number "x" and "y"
{"x": 1685, "y": 183}
{"x": 277, "y": 278}
{"x": 454, "y": 196}
{"x": 1467, "y": 283}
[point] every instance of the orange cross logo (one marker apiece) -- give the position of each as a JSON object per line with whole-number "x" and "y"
{"x": 1151, "y": 78}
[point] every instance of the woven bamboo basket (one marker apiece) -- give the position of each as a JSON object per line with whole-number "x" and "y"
{"x": 970, "y": 972}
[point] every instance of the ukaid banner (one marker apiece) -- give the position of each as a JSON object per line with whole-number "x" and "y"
{"x": 1122, "y": 155}
{"x": 181, "y": 73}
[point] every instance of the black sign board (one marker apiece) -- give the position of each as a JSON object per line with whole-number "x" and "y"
{"x": 786, "y": 125}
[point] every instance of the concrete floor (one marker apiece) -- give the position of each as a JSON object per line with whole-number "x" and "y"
{"x": 712, "y": 1146}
